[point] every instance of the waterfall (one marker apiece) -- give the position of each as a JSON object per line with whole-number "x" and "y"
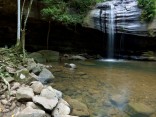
{"x": 111, "y": 25}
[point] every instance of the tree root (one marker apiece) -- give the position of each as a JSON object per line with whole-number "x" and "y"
{"x": 7, "y": 83}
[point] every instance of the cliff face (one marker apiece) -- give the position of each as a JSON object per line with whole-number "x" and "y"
{"x": 126, "y": 18}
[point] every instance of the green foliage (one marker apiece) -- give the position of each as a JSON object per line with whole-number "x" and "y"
{"x": 149, "y": 9}
{"x": 67, "y": 11}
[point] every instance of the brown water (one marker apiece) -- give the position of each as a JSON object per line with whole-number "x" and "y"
{"x": 95, "y": 82}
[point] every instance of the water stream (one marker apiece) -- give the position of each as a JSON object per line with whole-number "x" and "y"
{"x": 111, "y": 25}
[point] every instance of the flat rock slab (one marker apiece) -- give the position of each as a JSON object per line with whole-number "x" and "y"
{"x": 48, "y": 104}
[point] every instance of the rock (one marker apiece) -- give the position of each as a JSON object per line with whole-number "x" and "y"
{"x": 78, "y": 108}
{"x": 51, "y": 93}
{"x": 13, "y": 106}
{"x": 30, "y": 112}
{"x": 15, "y": 86}
{"x": 37, "y": 87}
{"x": 2, "y": 96}
{"x": 10, "y": 69}
{"x": 81, "y": 73}
{"x": 13, "y": 93}
{"x": 48, "y": 104}
{"x": 77, "y": 57}
{"x": 70, "y": 65}
{"x": 126, "y": 16}
{"x": 62, "y": 108}
{"x": 139, "y": 110}
{"x": 119, "y": 100}
{"x": 49, "y": 55}
{"x": 45, "y": 76}
{"x": 32, "y": 105}
{"x": 24, "y": 93}
{"x": 4, "y": 102}
{"x": 33, "y": 76}
{"x": 37, "y": 57}
{"x": 31, "y": 64}
{"x": 22, "y": 74}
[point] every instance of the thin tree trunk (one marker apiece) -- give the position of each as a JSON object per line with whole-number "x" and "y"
{"x": 49, "y": 28}
{"x": 18, "y": 23}
{"x": 24, "y": 28}
{"x": 22, "y": 11}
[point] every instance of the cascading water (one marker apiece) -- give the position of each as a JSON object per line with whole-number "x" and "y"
{"x": 115, "y": 17}
{"x": 111, "y": 25}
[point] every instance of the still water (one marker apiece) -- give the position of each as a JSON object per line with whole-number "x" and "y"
{"x": 96, "y": 82}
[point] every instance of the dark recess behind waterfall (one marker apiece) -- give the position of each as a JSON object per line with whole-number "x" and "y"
{"x": 74, "y": 39}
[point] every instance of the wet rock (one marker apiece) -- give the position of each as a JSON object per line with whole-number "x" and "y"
{"x": 24, "y": 93}
{"x": 62, "y": 108}
{"x": 37, "y": 57}
{"x": 37, "y": 87}
{"x": 49, "y": 55}
{"x": 70, "y": 65}
{"x": 119, "y": 100}
{"x": 139, "y": 110}
{"x": 30, "y": 112}
{"x": 50, "y": 93}
{"x": 45, "y": 76}
{"x": 48, "y": 104}
{"x": 78, "y": 108}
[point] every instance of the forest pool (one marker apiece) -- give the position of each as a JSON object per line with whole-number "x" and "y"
{"x": 97, "y": 83}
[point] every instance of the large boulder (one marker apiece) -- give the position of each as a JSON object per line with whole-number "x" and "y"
{"x": 49, "y": 55}
{"x": 37, "y": 57}
{"x": 78, "y": 108}
{"x": 24, "y": 94}
{"x": 45, "y": 76}
{"x": 46, "y": 103}
{"x": 51, "y": 93}
{"x": 61, "y": 109}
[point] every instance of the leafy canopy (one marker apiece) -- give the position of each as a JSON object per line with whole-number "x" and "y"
{"x": 67, "y": 11}
{"x": 149, "y": 9}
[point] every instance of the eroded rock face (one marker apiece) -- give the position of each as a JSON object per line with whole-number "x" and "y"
{"x": 126, "y": 17}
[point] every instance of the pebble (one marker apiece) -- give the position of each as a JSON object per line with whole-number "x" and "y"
{"x": 5, "y": 110}
{"x": 2, "y": 96}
